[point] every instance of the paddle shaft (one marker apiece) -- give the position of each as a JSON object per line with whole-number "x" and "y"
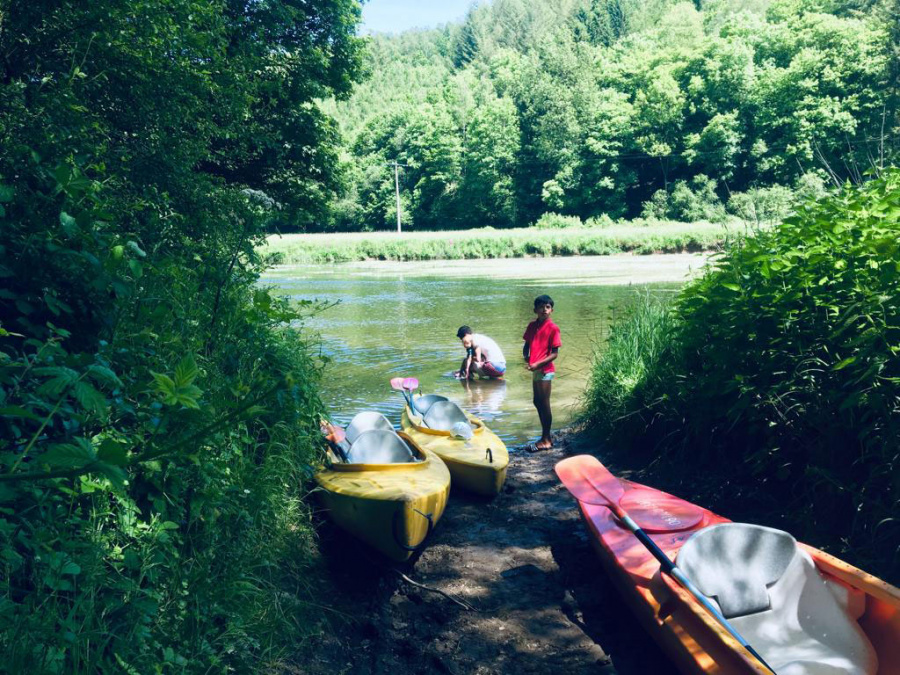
{"x": 672, "y": 570}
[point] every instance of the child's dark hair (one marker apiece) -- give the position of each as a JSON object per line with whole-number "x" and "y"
{"x": 463, "y": 331}
{"x": 541, "y": 300}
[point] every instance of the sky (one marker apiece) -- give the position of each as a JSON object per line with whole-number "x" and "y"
{"x": 395, "y": 16}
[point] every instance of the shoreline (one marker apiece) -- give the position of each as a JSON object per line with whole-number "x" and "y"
{"x": 640, "y": 238}
{"x": 616, "y": 269}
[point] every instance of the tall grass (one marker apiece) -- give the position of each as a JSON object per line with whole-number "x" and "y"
{"x": 641, "y": 238}
{"x": 637, "y": 347}
{"x": 778, "y": 372}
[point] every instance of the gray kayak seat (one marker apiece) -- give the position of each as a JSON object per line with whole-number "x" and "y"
{"x": 772, "y": 593}
{"x": 423, "y": 403}
{"x": 446, "y": 416}
{"x": 367, "y": 420}
{"x": 379, "y": 446}
{"x": 736, "y": 564}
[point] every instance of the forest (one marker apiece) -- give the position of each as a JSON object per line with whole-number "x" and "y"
{"x": 611, "y": 109}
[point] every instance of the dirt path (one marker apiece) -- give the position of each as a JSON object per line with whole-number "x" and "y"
{"x": 522, "y": 560}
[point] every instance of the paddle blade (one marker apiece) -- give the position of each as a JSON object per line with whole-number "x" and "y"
{"x": 589, "y": 481}
{"x": 332, "y": 432}
{"x": 410, "y": 384}
{"x": 397, "y": 383}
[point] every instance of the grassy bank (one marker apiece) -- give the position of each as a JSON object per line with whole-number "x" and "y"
{"x": 774, "y": 380}
{"x": 658, "y": 237}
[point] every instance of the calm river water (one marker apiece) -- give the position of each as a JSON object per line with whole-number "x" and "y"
{"x": 400, "y": 319}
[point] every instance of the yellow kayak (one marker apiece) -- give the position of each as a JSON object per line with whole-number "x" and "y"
{"x": 389, "y": 502}
{"x": 477, "y": 464}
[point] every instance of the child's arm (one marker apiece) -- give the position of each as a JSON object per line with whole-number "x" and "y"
{"x": 554, "y": 352}
{"x": 464, "y": 373}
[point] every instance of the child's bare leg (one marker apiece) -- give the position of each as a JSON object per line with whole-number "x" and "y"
{"x": 541, "y": 391}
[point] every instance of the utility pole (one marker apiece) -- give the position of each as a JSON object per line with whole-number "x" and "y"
{"x": 397, "y": 188}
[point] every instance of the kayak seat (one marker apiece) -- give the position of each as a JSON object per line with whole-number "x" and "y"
{"x": 367, "y": 420}
{"x": 423, "y": 403}
{"x": 737, "y": 563}
{"x": 772, "y": 593}
{"x": 446, "y": 416}
{"x": 379, "y": 446}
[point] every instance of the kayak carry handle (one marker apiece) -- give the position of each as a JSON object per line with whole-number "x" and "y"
{"x": 489, "y": 456}
{"x": 413, "y": 549}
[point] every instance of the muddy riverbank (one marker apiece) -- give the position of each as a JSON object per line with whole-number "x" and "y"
{"x": 541, "y": 603}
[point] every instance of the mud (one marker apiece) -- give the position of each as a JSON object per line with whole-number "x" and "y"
{"x": 542, "y": 603}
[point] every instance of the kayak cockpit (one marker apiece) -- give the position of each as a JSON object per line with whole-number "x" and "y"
{"x": 772, "y": 593}
{"x": 372, "y": 439}
{"x": 379, "y": 447}
{"x": 423, "y": 403}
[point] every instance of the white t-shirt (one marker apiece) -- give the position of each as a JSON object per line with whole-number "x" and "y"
{"x": 489, "y": 349}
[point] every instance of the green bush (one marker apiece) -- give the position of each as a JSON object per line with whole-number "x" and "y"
{"x": 763, "y": 205}
{"x": 556, "y": 221}
{"x": 157, "y": 418}
{"x": 599, "y": 222}
{"x": 780, "y": 367}
{"x": 689, "y": 201}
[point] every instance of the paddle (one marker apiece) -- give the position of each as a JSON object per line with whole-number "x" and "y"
{"x": 592, "y": 483}
{"x": 397, "y": 385}
{"x": 334, "y": 436}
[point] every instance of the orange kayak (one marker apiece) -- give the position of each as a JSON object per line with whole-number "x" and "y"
{"x": 852, "y": 627}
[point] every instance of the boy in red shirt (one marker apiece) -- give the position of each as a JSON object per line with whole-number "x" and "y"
{"x": 540, "y": 351}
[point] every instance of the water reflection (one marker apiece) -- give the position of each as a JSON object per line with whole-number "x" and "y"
{"x": 484, "y": 398}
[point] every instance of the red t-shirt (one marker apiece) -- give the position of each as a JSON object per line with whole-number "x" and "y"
{"x": 541, "y": 338}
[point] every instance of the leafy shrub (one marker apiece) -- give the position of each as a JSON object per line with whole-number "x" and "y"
{"x": 600, "y": 222}
{"x": 780, "y": 367}
{"x": 556, "y": 221}
{"x": 762, "y": 205}
{"x": 689, "y": 201}
{"x": 157, "y": 418}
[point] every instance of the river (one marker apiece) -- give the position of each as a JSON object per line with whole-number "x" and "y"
{"x": 400, "y": 319}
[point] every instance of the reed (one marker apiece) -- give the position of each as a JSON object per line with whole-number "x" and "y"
{"x": 641, "y": 237}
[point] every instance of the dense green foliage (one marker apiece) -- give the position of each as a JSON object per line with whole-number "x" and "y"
{"x": 156, "y": 415}
{"x": 592, "y": 239}
{"x": 590, "y": 107}
{"x": 780, "y": 366}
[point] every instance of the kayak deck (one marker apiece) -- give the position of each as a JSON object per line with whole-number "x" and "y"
{"x": 391, "y": 507}
{"x": 692, "y": 638}
{"x": 478, "y": 464}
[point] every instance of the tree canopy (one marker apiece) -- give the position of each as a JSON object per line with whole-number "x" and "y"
{"x": 590, "y": 107}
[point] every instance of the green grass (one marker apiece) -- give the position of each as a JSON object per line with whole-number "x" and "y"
{"x": 637, "y": 237}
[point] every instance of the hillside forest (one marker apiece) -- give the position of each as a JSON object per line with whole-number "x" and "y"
{"x": 611, "y": 109}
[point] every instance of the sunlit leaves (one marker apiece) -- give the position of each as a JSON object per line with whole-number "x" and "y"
{"x": 179, "y": 389}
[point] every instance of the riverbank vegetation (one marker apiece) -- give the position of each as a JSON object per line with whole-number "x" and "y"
{"x": 157, "y": 417}
{"x": 628, "y": 108}
{"x": 778, "y": 369}
{"x": 544, "y": 240}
